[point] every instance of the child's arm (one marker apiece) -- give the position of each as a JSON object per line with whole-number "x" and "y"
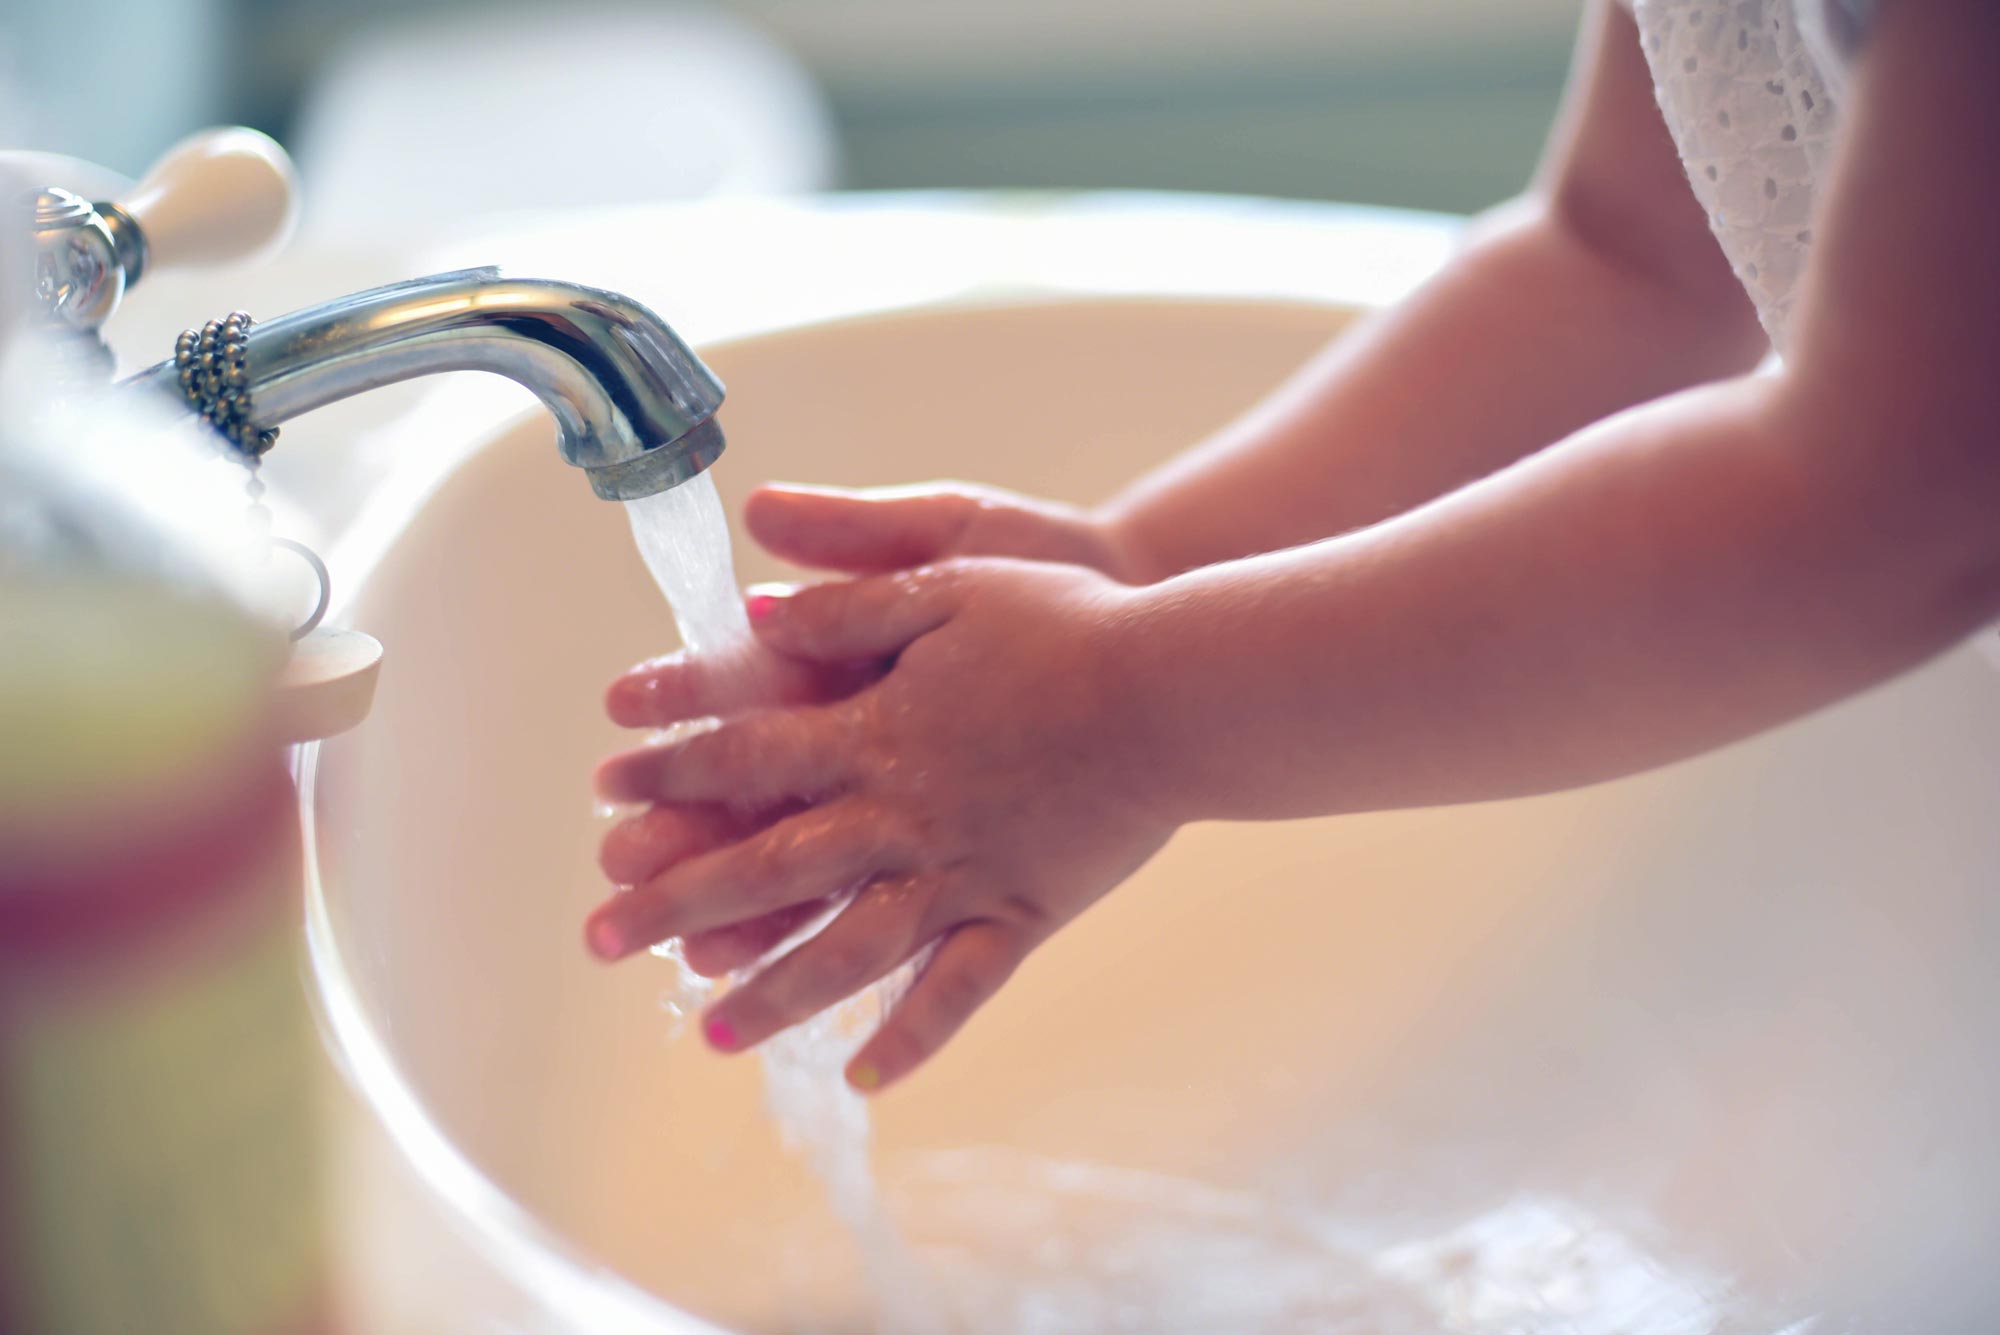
{"x": 1600, "y": 288}
{"x": 1676, "y": 577}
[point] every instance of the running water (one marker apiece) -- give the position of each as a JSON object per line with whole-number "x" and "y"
{"x": 1017, "y": 1245}
{"x": 683, "y": 536}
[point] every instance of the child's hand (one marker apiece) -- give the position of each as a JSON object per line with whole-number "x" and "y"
{"x": 641, "y": 847}
{"x": 882, "y": 529}
{"x": 856, "y": 531}
{"x": 982, "y": 793}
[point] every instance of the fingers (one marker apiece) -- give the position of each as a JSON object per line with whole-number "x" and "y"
{"x": 739, "y": 945}
{"x": 679, "y": 687}
{"x": 868, "y": 938}
{"x": 861, "y": 532}
{"x": 969, "y": 967}
{"x": 803, "y": 857}
{"x": 871, "y": 618}
{"x": 645, "y": 845}
{"x": 747, "y": 763}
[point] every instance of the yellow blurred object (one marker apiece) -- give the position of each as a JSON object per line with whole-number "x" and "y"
{"x": 110, "y": 691}
{"x": 158, "y": 1064}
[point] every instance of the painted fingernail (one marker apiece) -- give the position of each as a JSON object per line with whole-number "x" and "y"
{"x": 760, "y": 600}
{"x": 863, "y": 1075}
{"x": 721, "y": 1035}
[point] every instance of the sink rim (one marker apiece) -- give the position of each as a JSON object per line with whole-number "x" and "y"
{"x": 544, "y": 1262}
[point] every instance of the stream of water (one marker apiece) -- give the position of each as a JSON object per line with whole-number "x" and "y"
{"x": 1001, "y": 1243}
{"x": 683, "y": 537}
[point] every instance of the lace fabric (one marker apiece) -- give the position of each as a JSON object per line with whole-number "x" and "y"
{"x": 1750, "y": 90}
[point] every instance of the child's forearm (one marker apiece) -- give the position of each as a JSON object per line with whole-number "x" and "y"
{"x": 1675, "y": 578}
{"x": 1524, "y": 338}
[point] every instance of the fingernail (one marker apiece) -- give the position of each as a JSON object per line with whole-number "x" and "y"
{"x": 864, "y": 1076}
{"x": 721, "y": 1035}
{"x": 602, "y": 935}
{"x": 761, "y": 599}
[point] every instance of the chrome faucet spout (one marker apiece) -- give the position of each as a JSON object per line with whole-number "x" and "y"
{"x": 634, "y": 407}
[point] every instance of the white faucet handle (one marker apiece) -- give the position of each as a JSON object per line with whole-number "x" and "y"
{"x": 216, "y": 197}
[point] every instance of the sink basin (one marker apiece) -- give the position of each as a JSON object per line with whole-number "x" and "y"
{"x": 1700, "y": 1050}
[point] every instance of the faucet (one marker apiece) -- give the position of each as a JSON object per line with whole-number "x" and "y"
{"x": 634, "y": 407}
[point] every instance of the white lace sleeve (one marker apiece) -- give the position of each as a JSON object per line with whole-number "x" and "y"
{"x": 1754, "y": 115}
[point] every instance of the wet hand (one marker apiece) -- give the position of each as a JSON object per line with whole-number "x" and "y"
{"x": 854, "y": 531}
{"x": 881, "y": 529}
{"x": 984, "y": 791}
{"x": 861, "y": 532}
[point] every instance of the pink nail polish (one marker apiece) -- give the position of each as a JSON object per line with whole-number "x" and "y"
{"x": 721, "y": 1035}
{"x": 759, "y": 605}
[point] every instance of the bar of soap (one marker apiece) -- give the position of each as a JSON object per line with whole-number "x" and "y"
{"x": 328, "y": 685}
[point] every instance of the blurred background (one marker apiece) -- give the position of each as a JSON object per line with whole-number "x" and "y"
{"x": 1426, "y": 103}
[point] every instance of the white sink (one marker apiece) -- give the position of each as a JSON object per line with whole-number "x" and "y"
{"x": 1692, "y": 1048}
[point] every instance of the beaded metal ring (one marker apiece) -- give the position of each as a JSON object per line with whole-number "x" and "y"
{"x": 213, "y": 375}
{"x": 214, "y": 379}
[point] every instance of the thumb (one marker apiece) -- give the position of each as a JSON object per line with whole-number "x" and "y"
{"x": 861, "y": 532}
{"x": 869, "y": 618}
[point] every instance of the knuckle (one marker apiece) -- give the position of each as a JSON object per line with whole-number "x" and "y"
{"x": 622, "y": 856}
{"x": 766, "y": 860}
{"x": 956, "y": 493}
{"x": 896, "y": 909}
{"x": 727, "y": 750}
{"x": 928, "y": 653}
{"x": 911, "y": 838}
{"x": 807, "y": 613}
{"x": 1024, "y": 910}
{"x": 899, "y": 1045}
{"x": 679, "y": 754}
{"x": 968, "y": 506}
{"x": 862, "y": 734}
{"x": 917, "y": 581}
{"x": 727, "y": 755}
{"x": 954, "y": 996}
{"x": 846, "y": 964}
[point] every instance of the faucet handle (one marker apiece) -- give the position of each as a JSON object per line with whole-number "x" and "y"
{"x": 215, "y": 197}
